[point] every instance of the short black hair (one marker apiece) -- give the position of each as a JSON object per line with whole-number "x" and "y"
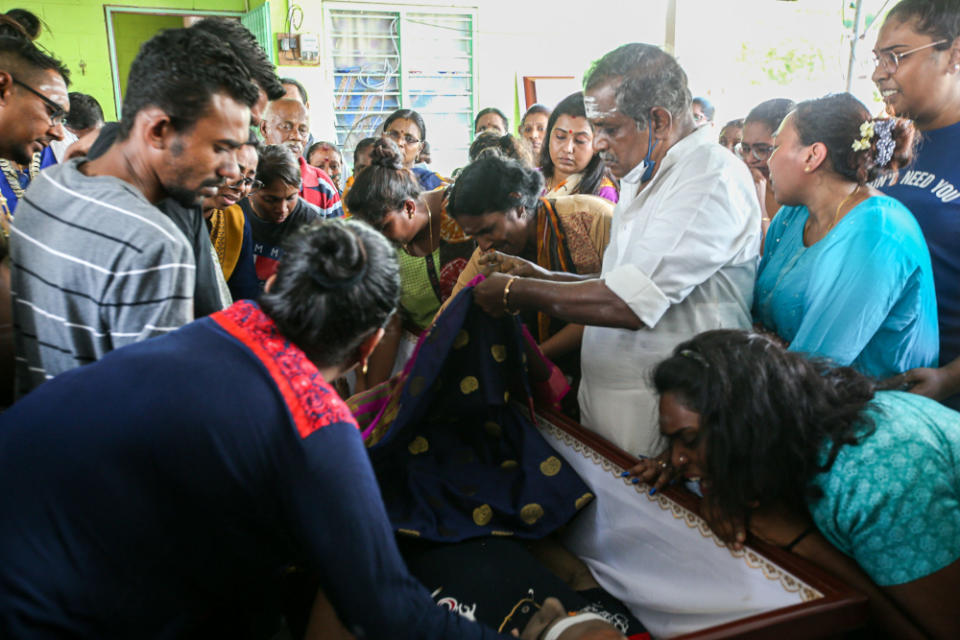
{"x": 248, "y": 50}
{"x": 300, "y": 88}
{"x": 494, "y": 183}
{"x": 179, "y": 70}
{"x": 85, "y": 111}
{"x": 535, "y": 108}
{"x": 483, "y": 112}
{"x": 277, "y": 162}
{"x": 336, "y": 284}
{"x": 20, "y": 57}
{"x": 771, "y": 112}
{"x": 766, "y": 414}
{"x": 363, "y": 144}
{"x": 939, "y": 19}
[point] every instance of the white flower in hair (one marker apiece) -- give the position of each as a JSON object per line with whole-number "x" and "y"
{"x": 866, "y": 134}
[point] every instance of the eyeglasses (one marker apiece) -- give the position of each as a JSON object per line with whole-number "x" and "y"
{"x": 396, "y": 136}
{"x": 759, "y": 151}
{"x": 289, "y": 127}
{"x": 890, "y": 61}
{"x": 56, "y": 113}
{"x": 251, "y": 183}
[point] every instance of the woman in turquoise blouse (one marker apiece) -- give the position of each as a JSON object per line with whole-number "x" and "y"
{"x": 846, "y": 274}
{"x": 812, "y": 458}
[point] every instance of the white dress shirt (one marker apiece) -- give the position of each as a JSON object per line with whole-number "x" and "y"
{"x": 683, "y": 255}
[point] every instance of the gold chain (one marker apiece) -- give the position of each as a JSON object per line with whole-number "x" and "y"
{"x": 13, "y": 176}
{"x": 6, "y": 218}
{"x": 836, "y": 216}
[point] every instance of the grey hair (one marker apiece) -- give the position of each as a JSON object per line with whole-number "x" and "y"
{"x": 651, "y": 78}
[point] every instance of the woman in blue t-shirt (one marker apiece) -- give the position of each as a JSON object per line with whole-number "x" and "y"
{"x": 918, "y": 74}
{"x": 818, "y": 462}
{"x": 845, "y": 273}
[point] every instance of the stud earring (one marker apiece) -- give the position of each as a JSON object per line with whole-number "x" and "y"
{"x": 363, "y": 369}
{"x": 806, "y": 169}
{"x": 956, "y": 68}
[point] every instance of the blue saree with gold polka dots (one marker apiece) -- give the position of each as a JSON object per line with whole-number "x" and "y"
{"x": 455, "y": 456}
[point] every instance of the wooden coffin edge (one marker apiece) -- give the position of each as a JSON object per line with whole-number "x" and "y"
{"x": 841, "y": 609}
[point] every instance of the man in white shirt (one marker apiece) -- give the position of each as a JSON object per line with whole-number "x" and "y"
{"x": 683, "y": 252}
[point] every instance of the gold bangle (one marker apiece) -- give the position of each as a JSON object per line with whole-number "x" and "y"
{"x": 506, "y": 294}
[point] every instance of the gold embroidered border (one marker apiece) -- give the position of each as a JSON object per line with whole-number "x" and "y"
{"x": 789, "y": 582}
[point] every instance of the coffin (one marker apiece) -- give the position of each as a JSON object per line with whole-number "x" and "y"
{"x": 661, "y": 559}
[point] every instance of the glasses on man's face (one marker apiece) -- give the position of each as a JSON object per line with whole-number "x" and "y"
{"x": 247, "y": 183}
{"x": 759, "y": 151}
{"x": 398, "y": 137}
{"x": 890, "y": 61}
{"x": 56, "y": 113}
{"x": 289, "y": 127}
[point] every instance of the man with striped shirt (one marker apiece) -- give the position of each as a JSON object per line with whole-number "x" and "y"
{"x": 95, "y": 265}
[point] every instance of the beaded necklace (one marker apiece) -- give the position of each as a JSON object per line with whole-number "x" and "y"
{"x": 13, "y": 176}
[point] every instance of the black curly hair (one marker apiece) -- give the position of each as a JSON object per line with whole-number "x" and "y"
{"x": 765, "y": 414}
{"x": 494, "y": 183}
{"x": 247, "y": 48}
{"x": 179, "y": 70}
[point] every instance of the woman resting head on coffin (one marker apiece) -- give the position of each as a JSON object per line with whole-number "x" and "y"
{"x": 496, "y": 201}
{"x": 814, "y": 459}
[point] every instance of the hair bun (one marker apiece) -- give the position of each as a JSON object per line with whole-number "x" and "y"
{"x": 10, "y": 27}
{"x": 338, "y": 260}
{"x": 386, "y": 153}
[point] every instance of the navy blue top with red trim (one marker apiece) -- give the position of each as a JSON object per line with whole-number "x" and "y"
{"x": 161, "y": 491}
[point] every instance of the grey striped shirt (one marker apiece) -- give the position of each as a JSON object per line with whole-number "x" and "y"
{"x": 94, "y": 267}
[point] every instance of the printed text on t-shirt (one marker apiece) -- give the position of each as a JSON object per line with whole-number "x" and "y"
{"x": 942, "y": 189}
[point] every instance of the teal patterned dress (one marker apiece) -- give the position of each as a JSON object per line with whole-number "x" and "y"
{"x": 892, "y": 502}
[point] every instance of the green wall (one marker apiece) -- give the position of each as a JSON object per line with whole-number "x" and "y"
{"x": 133, "y": 29}
{"x": 77, "y": 35}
